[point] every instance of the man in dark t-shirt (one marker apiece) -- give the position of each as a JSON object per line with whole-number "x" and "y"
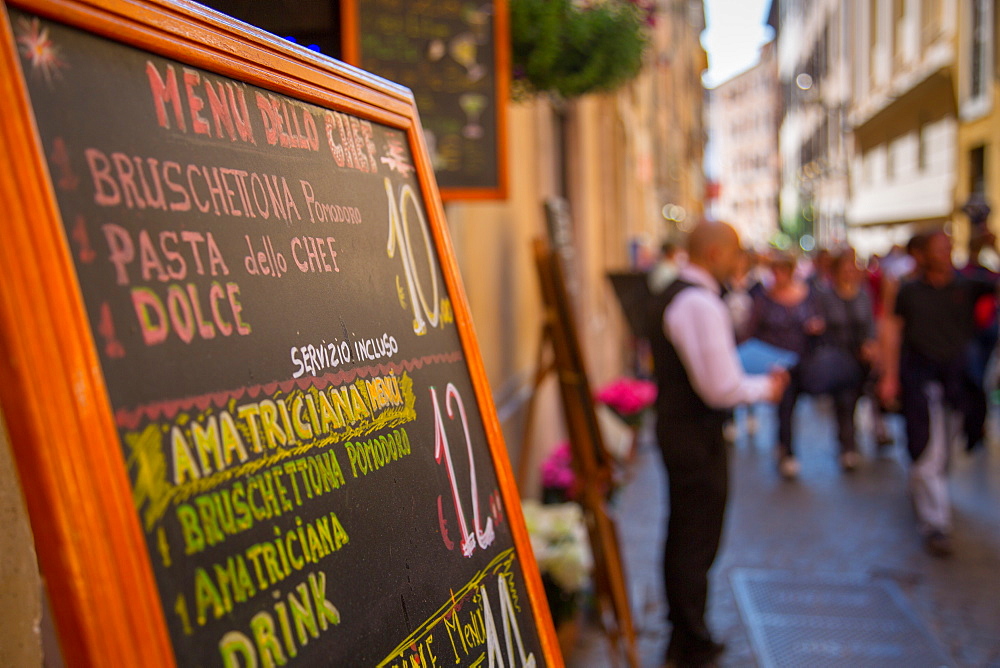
{"x": 925, "y": 345}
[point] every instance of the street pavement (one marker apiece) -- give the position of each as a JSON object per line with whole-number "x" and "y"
{"x": 826, "y": 523}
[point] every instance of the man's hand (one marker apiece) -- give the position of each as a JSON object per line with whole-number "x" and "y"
{"x": 779, "y": 381}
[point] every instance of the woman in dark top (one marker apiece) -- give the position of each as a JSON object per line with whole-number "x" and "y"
{"x": 850, "y": 326}
{"x": 786, "y": 316}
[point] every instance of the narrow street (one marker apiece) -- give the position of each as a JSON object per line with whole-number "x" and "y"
{"x": 818, "y": 546}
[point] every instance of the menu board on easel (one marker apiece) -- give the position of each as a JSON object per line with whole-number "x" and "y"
{"x": 265, "y": 435}
{"x": 454, "y": 56}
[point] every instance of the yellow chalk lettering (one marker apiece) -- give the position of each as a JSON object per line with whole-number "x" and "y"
{"x": 244, "y": 520}
{"x": 286, "y": 628}
{"x": 274, "y": 571}
{"x": 352, "y": 456}
{"x": 232, "y": 443}
{"x": 206, "y": 513}
{"x": 313, "y": 416}
{"x": 302, "y": 614}
{"x": 207, "y": 446}
{"x": 253, "y": 552}
{"x": 250, "y": 413}
{"x": 266, "y": 485}
{"x": 268, "y": 647}
{"x": 315, "y": 545}
{"x": 286, "y": 421}
{"x": 194, "y": 539}
{"x": 297, "y": 562}
{"x": 330, "y": 420}
{"x": 302, "y": 428}
{"x": 328, "y": 613}
{"x": 358, "y": 404}
{"x": 259, "y": 512}
{"x": 269, "y": 425}
{"x": 206, "y": 596}
{"x": 235, "y": 645}
{"x": 329, "y": 469}
{"x": 185, "y": 468}
{"x": 340, "y": 537}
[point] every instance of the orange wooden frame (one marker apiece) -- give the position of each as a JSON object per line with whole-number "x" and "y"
{"x": 351, "y": 48}
{"x": 89, "y": 542}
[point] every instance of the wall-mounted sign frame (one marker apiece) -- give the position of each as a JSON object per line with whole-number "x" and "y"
{"x": 455, "y": 56}
{"x": 241, "y": 382}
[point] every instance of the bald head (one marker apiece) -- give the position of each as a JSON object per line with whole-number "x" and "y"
{"x": 715, "y": 247}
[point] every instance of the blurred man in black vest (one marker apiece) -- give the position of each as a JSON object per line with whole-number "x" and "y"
{"x": 700, "y": 379}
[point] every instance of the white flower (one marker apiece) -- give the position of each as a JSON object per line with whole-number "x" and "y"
{"x": 560, "y": 544}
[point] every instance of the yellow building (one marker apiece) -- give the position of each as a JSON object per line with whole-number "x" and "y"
{"x": 978, "y": 94}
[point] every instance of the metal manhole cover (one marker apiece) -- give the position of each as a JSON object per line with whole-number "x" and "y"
{"x": 831, "y": 620}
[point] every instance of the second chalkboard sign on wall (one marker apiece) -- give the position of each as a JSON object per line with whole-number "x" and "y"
{"x": 454, "y": 56}
{"x": 282, "y": 448}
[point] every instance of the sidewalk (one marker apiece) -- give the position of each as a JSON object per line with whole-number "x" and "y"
{"x": 827, "y": 523}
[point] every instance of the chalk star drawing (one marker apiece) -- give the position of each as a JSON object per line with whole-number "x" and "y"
{"x": 39, "y": 50}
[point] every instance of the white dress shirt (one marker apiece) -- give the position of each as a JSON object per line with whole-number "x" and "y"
{"x": 699, "y": 326}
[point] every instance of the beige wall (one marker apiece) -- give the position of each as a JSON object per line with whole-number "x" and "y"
{"x": 20, "y": 585}
{"x": 978, "y": 126}
{"x": 492, "y": 243}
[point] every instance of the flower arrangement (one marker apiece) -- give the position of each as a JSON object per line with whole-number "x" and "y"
{"x": 559, "y": 541}
{"x": 558, "y": 477}
{"x": 629, "y": 398}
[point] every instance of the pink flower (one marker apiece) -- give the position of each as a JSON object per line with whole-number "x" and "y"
{"x": 557, "y": 469}
{"x": 627, "y": 396}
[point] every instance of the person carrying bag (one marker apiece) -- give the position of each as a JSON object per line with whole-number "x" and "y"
{"x": 841, "y": 361}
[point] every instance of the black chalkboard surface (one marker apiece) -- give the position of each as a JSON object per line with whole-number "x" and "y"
{"x": 453, "y": 55}
{"x": 302, "y": 436}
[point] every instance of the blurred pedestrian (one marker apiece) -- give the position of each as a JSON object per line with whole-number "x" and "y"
{"x": 739, "y": 298}
{"x": 850, "y": 329}
{"x": 700, "y": 379}
{"x": 821, "y": 273}
{"x": 924, "y": 345}
{"x": 665, "y": 270}
{"x": 978, "y": 210}
{"x": 786, "y": 316}
{"x": 898, "y": 266}
{"x": 981, "y": 254}
{"x": 874, "y": 280}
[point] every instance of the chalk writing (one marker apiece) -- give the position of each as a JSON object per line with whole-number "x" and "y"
{"x": 466, "y": 626}
{"x": 306, "y": 609}
{"x": 199, "y": 451}
{"x": 312, "y": 360}
{"x": 143, "y": 182}
{"x": 208, "y": 519}
{"x": 442, "y": 453}
{"x": 219, "y": 587}
{"x": 424, "y": 310}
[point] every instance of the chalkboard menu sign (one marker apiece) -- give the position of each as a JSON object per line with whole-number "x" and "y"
{"x": 302, "y": 436}
{"x": 454, "y": 56}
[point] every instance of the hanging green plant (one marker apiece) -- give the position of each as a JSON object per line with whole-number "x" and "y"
{"x": 561, "y": 47}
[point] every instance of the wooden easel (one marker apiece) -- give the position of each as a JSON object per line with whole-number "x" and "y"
{"x": 591, "y": 461}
